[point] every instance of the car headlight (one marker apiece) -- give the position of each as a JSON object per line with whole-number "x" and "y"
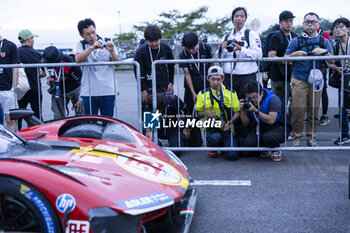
{"x": 106, "y": 220}
{"x": 174, "y": 158}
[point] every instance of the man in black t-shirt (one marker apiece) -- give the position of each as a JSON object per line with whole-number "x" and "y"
{"x": 195, "y": 73}
{"x": 62, "y": 92}
{"x": 8, "y": 79}
{"x": 28, "y": 55}
{"x": 149, "y": 52}
{"x": 277, "y": 47}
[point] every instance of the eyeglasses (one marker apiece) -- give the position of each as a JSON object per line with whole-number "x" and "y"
{"x": 340, "y": 26}
{"x": 313, "y": 22}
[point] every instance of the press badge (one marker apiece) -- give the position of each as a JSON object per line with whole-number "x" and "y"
{"x": 1, "y": 70}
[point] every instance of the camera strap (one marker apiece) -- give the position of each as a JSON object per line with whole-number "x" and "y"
{"x": 346, "y": 51}
{"x": 220, "y": 101}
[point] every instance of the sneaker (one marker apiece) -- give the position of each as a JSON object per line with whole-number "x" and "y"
{"x": 291, "y": 137}
{"x": 296, "y": 143}
{"x": 344, "y": 139}
{"x": 265, "y": 154}
{"x": 311, "y": 143}
{"x": 324, "y": 121}
{"x": 276, "y": 156}
{"x": 213, "y": 154}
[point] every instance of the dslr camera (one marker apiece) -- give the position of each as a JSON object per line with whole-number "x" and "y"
{"x": 231, "y": 46}
{"x": 246, "y": 103}
{"x": 104, "y": 45}
{"x": 54, "y": 89}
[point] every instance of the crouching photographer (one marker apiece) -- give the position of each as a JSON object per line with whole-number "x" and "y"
{"x": 269, "y": 114}
{"x": 173, "y": 110}
{"x": 219, "y": 103}
{"x": 62, "y": 92}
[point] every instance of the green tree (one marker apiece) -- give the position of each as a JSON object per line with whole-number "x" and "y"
{"x": 326, "y": 26}
{"x": 174, "y": 24}
{"x": 126, "y": 43}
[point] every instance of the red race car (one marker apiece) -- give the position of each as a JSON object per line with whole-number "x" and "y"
{"x": 90, "y": 174}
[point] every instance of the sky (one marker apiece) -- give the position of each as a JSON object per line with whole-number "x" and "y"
{"x": 56, "y": 21}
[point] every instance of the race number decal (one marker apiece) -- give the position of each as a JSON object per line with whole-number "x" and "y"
{"x": 149, "y": 168}
{"x": 74, "y": 226}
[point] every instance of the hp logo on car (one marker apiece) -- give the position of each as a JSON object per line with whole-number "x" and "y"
{"x": 65, "y": 202}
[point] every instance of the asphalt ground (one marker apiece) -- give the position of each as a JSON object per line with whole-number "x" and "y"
{"x": 305, "y": 192}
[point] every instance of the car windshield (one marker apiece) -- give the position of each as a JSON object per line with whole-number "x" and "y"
{"x": 9, "y": 142}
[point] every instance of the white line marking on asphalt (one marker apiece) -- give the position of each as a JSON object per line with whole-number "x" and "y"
{"x": 223, "y": 182}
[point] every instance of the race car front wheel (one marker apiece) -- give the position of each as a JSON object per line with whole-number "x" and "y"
{"x": 23, "y": 208}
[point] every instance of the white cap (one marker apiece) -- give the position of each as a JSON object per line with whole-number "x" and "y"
{"x": 316, "y": 79}
{"x": 214, "y": 70}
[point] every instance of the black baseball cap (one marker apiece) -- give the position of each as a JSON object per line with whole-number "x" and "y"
{"x": 52, "y": 55}
{"x": 286, "y": 15}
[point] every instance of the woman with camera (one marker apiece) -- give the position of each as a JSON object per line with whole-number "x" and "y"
{"x": 262, "y": 108}
{"x": 240, "y": 43}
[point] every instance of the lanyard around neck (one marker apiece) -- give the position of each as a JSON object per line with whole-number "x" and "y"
{"x": 197, "y": 65}
{"x": 150, "y": 53}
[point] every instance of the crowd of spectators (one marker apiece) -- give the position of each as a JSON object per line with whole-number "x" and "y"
{"x": 229, "y": 93}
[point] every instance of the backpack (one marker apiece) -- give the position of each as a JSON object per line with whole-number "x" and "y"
{"x": 265, "y": 66}
{"x": 321, "y": 42}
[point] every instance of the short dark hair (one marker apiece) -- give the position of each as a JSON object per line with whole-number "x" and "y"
{"x": 253, "y": 86}
{"x": 312, "y": 13}
{"x": 189, "y": 40}
{"x": 238, "y": 9}
{"x": 85, "y": 24}
{"x": 152, "y": 33}
{"x": 342, "y": 20}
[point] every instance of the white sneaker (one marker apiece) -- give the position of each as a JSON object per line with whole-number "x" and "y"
{"x": 276, "y": 156}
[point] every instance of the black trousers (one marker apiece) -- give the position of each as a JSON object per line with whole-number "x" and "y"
{"x": 32, "y": 98}
{"x": 270, "y": 136}
{"x": 239, "y": 83}
{"x": 189, "y": 98}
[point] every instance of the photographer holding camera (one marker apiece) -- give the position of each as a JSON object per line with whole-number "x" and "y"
{"x": 263, "y": 106}
{"x": 98, "y": 84}
{"x": 240, "y": 43}
{"x": 220, "y": 103}
{"x": 62, "y": 91}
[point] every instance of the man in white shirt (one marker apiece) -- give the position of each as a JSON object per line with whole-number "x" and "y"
{"x": 246, "y": 44}
{"x": 97, "y": 84}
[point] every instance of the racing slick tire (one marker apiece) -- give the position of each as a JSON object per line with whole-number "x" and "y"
{"x": 23, "y": 208}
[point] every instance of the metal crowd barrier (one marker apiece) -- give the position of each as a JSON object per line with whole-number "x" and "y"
{"x": 258, "y": 148}
{"x": 83, "y": 64}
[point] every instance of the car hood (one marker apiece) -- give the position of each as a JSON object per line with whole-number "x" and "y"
{"x": 132, "y": 180}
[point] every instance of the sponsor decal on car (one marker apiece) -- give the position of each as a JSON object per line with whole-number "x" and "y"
{"x": 146, "y": 203}
{"x": 144, "y": 166}
{"x": 40, "y": 204}
{"x": 65, "y": 202}
{"x": 150, "y": 168}
{"x": 74, "y": 226}
{"x": 85, "y": 175}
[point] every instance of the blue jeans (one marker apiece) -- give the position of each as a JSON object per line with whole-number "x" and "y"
{"x": 344, "y": 121}
{"x": 216, "y": 138}
{"x": 103, "y": 103}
